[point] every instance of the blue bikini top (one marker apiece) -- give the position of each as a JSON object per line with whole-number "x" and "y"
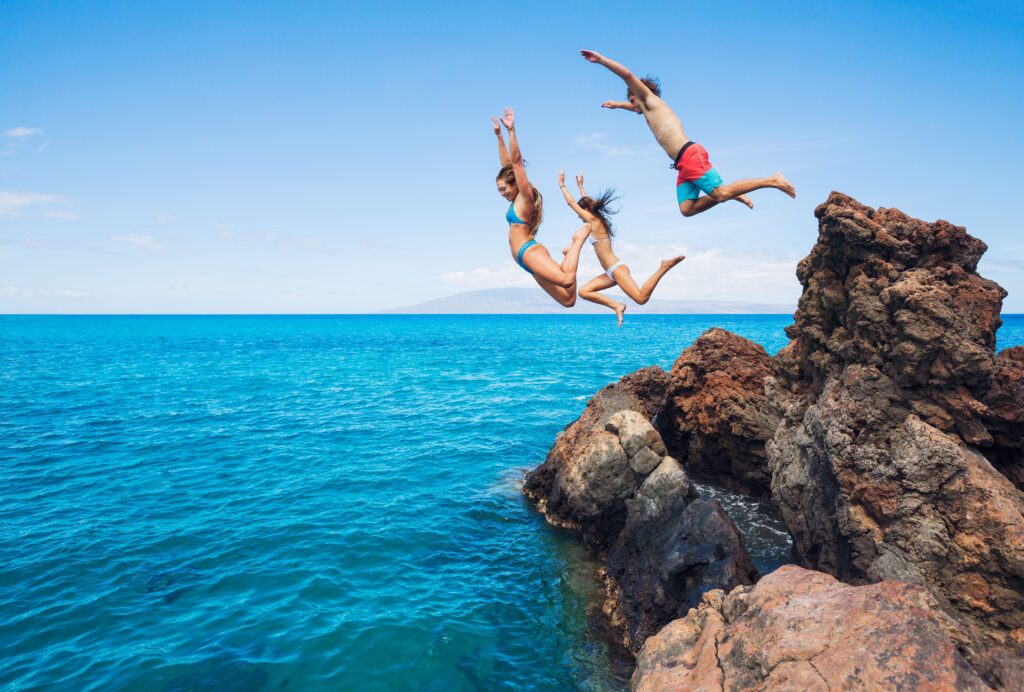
{"x": 511, "y": 216}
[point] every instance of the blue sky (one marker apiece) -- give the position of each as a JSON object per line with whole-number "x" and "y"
{"x": 328, "y": 157}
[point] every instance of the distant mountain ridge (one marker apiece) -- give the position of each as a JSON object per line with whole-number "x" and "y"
{"x": 506, "y": 301}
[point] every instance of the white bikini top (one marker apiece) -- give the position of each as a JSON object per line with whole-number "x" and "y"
{"x": 595, "y": 241}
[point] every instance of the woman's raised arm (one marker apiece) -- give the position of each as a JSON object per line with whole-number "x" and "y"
{"x": 522, "y": 182}
{"x": 571, "y": 201}
{"x": 502, "y": 151}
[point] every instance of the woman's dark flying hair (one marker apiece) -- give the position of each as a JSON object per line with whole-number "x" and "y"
{"x": 652, "y": 83}
{"x": 507, "y": 174}
{"x": 599, "y": 207}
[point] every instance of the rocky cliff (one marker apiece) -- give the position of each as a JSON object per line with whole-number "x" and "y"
{"x": 879, "y": 466}
{"x": 888, "y": 433}
{"x": 609, "y": 476}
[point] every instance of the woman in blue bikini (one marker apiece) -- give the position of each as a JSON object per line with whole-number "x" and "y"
{"x": 524, "y": 215}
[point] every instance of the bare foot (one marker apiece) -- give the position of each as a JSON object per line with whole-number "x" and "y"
{"x": 667, "y": 264}
{"x": 782, "y": 184}
{"x": 581, "y": 235}
{"x": 620, "y": 309}
{"x": 745, "y": 200}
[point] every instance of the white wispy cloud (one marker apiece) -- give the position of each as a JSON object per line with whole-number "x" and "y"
{"x": 706, "y": 274}
{"x": 287, "y": 241}
{"x": 65, "y": 215}
{"x": 22, "y": 132}
{"x": 144, "y": 241}
{"x": 11, "y": 203}
{"x": 16, "y": 292}
{"x": 489, "y": 277}
{"x": 598, "y": 141}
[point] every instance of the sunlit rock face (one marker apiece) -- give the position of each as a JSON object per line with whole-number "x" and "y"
{"x": 879, "y": 466}
{"x": 802, "y": 630}
{"x": 609, "y": 476}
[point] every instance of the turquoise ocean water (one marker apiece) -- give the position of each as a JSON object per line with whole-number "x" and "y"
{"x": 307, "y": 502}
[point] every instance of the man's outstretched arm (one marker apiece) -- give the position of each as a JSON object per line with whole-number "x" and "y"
{"x": 625, "y": 105}
{"x": 633, "y": 82}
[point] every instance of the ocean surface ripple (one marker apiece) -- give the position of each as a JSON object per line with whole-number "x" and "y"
{"x": 256, "y": 503}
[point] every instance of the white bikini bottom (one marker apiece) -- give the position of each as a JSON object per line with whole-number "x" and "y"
{"x": 611, "y": 270}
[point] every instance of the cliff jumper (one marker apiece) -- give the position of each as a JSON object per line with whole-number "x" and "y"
{"x": 696, "y": 174}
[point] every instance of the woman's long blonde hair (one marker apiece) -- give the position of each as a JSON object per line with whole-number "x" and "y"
{"x": 508, "y": 175}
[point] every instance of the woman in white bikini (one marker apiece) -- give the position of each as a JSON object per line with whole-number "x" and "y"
{"x": 595, "y": 212}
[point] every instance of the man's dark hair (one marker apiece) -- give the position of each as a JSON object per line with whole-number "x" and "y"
{"x": 651, "y": 83}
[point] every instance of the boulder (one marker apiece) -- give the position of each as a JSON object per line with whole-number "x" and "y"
{"x": 802, "y": 630}
{"x": 674, "y": 547}
{"x": 722, "y": 409}
{"x": 589, "y": 474}
{"x": 609, "y": 476}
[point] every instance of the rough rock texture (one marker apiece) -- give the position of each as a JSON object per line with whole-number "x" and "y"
{"x": 1005, "y": 418}
{"x": 609, "y": 476}
{"x": 589, "y": 474}
{"x": 719, "y": 413}
{"x": 877, "y": 465}
{"x": 674, "y": 547}
{"x": 803, "y": 630}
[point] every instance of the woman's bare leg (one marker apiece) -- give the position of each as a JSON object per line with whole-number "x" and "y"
{"x": 736, "y": 190}
{"x": 641, "y": 295}
{"x": 566, "y": 297}
{"x": 571, "y": 261}
{"x": 589, "y": 291}
{"x": 563, "y": 275}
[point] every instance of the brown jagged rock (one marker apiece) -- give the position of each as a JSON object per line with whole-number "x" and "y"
{"x": 609, "y": 476}
{"x": 803, "y": 630}
{"x": 876, "y": 466}
{"x": 1005, "y": 421}
{"x": 719, "y": 413}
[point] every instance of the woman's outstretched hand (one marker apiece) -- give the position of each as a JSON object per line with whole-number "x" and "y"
{"x": 561, "y": 178}
{"x": 579, "y": 178}
{"x": 509, "y": 119}
{"x": 497, "y": 125}
{"x": 592, "y": 56}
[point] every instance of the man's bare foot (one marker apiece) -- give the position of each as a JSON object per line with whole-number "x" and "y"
{"x": 620, "y": 309}
{"x": 745, "y": 200}
{"x": 667, "y": 264}
{"x": 782, "y": 184}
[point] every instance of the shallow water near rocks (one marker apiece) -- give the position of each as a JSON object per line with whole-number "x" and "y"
{"x": 308, "y": 502}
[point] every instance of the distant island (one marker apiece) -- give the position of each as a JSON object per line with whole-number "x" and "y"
{"x": 510, "y": 301}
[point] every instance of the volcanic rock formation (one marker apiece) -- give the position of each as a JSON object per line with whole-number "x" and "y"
{"x": 721, "y": 410}
{"x": 891, "y": 436}
{"x": 803, "y": 630}
{"x": 878, "y": 466}
{"x": 609, "y": 476}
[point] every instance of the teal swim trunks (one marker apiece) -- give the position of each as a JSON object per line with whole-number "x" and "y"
{"x": 691, "y": 189}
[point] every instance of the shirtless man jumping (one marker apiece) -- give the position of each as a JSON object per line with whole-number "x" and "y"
{"x": 696, "y": 174}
